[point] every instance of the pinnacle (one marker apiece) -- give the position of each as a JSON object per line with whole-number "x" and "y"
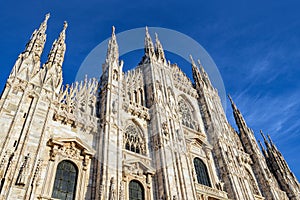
{"x": 47, "y": 16}
{"x": 199, "y": 63}
{"x": 263, "y": 135}
{"x": 192, "y": 60}
{"x": 113, "y": 30}
{"x": 65, "y": 25}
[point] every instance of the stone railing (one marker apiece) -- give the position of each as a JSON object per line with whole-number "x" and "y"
{"x": 136, "y": 109}
{"x": 211, "y": 192}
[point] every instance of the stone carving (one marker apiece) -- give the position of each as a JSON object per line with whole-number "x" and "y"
{"x": 77, "y": 104}
{"x": 112, "y": 195}
{"x": 23, "y": 172}
{"x": 186, "y": 114}
{"x": 121, "y": 190}
{"x": 36, "y": 175}
{"x": 70, "y": 148}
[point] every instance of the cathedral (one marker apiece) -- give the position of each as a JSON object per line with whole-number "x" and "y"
{"x": 149, "y": 133}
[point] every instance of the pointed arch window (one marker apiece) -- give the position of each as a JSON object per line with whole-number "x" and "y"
{"x": 186, "y": 114}
{"x": 134, "y": 140}
{"x": 202, "y": 173}
{"x": 136, "y": 191}
{"x": 65, "y": 181}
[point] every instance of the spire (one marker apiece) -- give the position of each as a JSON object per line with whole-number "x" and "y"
{"x": 159, "y": 49}
{"x": 270, "y": 140}
{"x": 38, "y": 39}
{"x": 232, "y": 103}
{"x": 32, "y": 54}
{"x": 265, "y": 140}
{"x": 204, "y": 75}
{"x": 57, "y": 52}
{"x": 196, "y": 73}
{"x": 239, "y": 119}
{"x": 149, "y": 48}
{"x": 263, "y": 149}
{"x": 113, "y": 49}
{"x": 53, "y": 66}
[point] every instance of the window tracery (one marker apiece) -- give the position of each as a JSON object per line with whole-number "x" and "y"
{"x": 133, "y": 140}
{"x": 186, "y": 114}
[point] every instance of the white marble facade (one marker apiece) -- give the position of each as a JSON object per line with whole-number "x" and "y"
{"x": 148, "y": 133}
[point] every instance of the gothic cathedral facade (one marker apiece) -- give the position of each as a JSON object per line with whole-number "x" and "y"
{"x": 146, "y": 134}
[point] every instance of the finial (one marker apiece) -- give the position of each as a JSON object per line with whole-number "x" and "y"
{"x": 65, "y": 25}
{"x": 192, "y": 60}
{"x": 44, "y": 23}
{"x": 113, "y": 30}
{"x": 147, "y": 32}
{"x": 156, "y": 37}
{"x": 47, "y": 16}
{"x": 199, "y": 62}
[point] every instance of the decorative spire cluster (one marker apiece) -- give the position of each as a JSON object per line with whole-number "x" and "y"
{"x": 200, "y": 76}
{"x": 153, "y": 54}
{"x": 53, "y": 66}
{"x": 279, "y": 167}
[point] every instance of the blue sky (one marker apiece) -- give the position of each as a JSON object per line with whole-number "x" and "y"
{"x": 255, "y": 44}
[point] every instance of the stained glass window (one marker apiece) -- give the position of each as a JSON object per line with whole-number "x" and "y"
{"x": 201, "y": 171}
{"x": 136, "y": 191}
{"x": 65, "y": 181}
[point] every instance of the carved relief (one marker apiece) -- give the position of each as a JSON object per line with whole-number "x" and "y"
{"x": 70, "y": 148}
{"x": 23, "y": 172}
{"x": 112, "y": 195}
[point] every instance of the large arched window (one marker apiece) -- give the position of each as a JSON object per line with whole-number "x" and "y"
{"x": 65, "y": 181}
{"x": 201, "y": 171}
{"x": 134, "y": 140}
{"x": 136, "y": 191}
{"x": 186, "y": 114}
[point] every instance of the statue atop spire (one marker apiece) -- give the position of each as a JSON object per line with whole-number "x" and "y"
{"x": 113, "y": 49}
{"x": 160, "y": 54}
